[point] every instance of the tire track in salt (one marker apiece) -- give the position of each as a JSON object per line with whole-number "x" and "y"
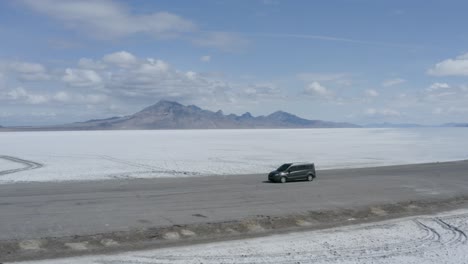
{"x": 430, "y": 237}
{"x": 433, "y": 235}
{"x": 437, "y": 233}
{"x": 459, "y": 237}
{"x": 28, "y": 165}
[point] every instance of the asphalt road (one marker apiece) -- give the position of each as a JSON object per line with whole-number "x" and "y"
{"x": 36, "y": 210}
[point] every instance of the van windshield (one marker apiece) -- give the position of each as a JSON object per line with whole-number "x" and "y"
{"x": 284, "y": 167}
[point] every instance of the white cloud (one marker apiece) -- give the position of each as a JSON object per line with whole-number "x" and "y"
{"x": 62, "y": 97}
{"x": 37, "y": 99}
{"x": 121, "y": 59}
{"x": 206, "y": 58}
{"x": 451, "y": 110}
{"x": 260, "y": 89}
{"x": 156, "y": 78}
{"x": 91, "y": 98}
{"x": 191, "y": 75}
{"x": 463, "y": 56}
{"x": 372, "y": 93}
{"x": 81, "y": 78}
{"x": 29, "y": 71}
{"x": 445, "y": 94}
{"x": 457, "y": 110}
{"x": 43, "y": 114}
{"x": 90, "y": 64}
{"x": 21, "y": 94}
{"x": 386, "y": 112}
{"x": 17, "y": 93}
{"x": 315, "y": 88}
{"x": 451, "y": 67}
{"x": 338, "y": 78}
{"x": 107, "y": 19}
{"x": 393, "y": 82}
{"x": 153, "y": 66}
{"x": 437, "y": 86}
{"x": 102, "y": 83}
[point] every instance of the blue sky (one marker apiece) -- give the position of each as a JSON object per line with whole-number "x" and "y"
{"x": 356, "y": 61}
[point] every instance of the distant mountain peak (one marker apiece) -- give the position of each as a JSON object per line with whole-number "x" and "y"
{"x": 167, "y": 103}
{"x": 279, "y": 112}
{"x": 162, "y": 105}
{"x": 282, "y": 115}
{"x": 247, "y": 115}
{"x": 194, "y": 107}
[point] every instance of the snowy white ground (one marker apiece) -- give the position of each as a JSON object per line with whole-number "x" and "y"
{"x": 93, "y": 155}
{"x": 7, "y": 165}
{"x": 424, "y": 239}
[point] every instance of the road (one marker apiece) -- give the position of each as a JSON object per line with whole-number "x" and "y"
{"x": 36, "y": 210}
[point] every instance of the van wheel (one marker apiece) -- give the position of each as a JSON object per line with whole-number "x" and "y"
{"x": 310, "y": 178}
{"x": 283, "y": 180}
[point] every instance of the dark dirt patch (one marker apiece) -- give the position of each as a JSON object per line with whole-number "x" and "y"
{"x": 200, "y": 215}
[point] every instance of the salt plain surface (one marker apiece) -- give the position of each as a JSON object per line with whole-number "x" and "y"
{"x": 424, "y": 239}
{"x": 7, "y": 165}
{"x": 95, "y": 155}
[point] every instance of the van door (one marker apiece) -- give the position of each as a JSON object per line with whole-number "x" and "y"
{"x": 294, "y": 172}
{"x": 302, "y": 172}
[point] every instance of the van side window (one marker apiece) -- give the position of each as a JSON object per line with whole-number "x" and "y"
{"x": 293, "y": 168}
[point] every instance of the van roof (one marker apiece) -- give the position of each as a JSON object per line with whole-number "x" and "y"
{"x": 302, "y": 163}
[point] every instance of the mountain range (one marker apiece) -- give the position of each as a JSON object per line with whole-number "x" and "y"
{"x": 173, "y": 115}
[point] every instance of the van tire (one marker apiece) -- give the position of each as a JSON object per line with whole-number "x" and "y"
{"x": 283, "y": 180}
{"x": 310, "y": 177}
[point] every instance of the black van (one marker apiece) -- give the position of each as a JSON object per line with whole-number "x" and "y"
{"x": 293, "y": 172}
